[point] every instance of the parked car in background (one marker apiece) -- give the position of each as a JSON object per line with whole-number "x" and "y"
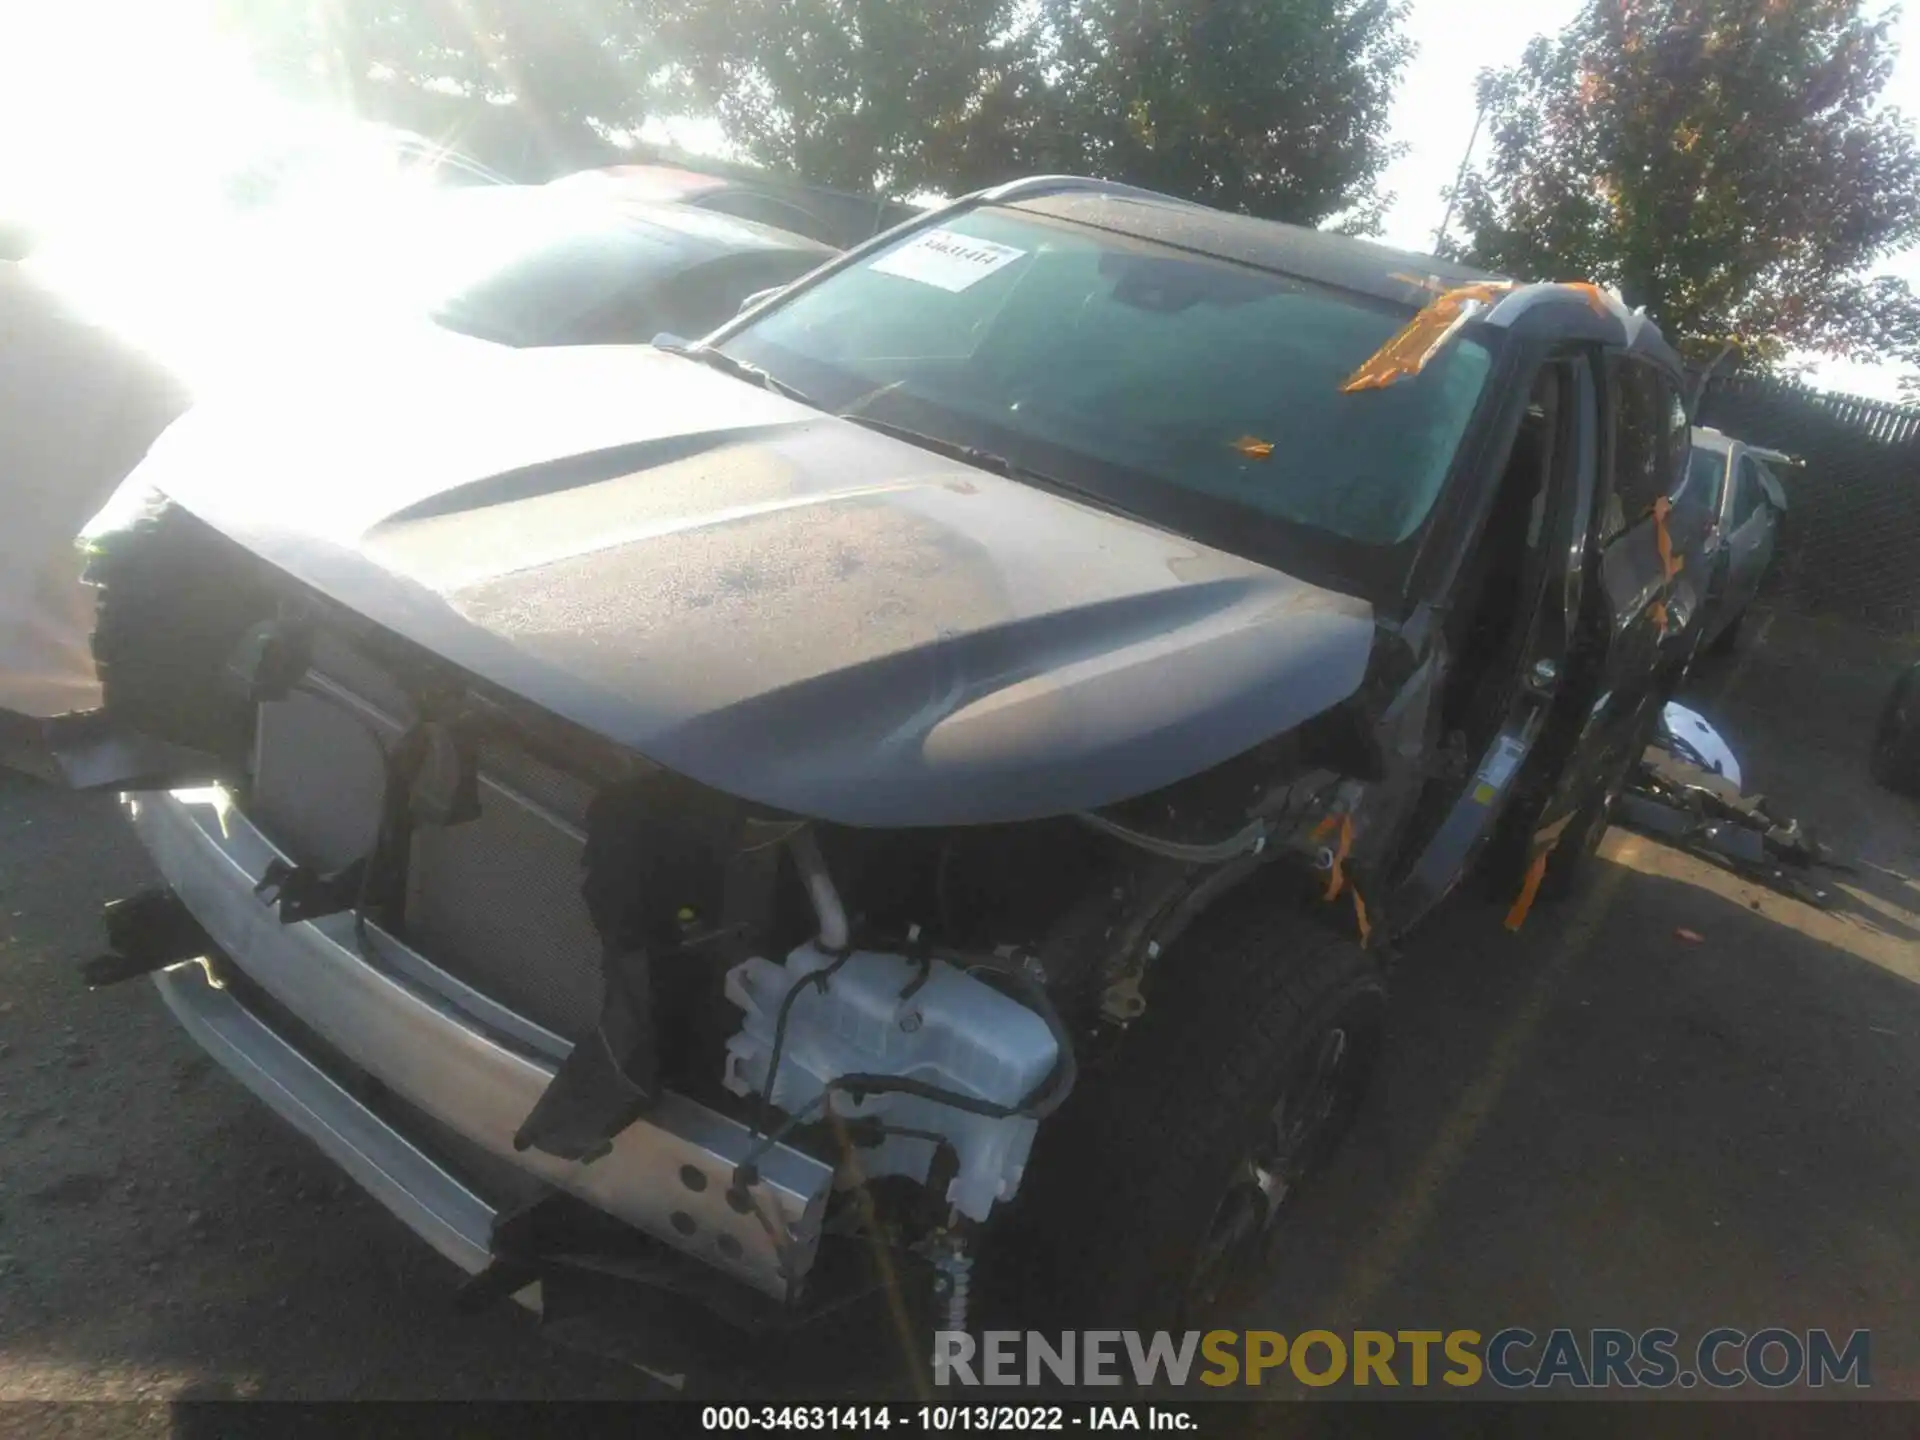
{"x": 1896, "y": 739}
{"x": 326, "y": 158}
{"x": 829, "y": 216}
{"x": 1732, "y": 485}
{"x": 530, "y": 266}
{"x": 897, "y": 809}
{"x": 108, "y": 343}
{"x": 515, "y": 264}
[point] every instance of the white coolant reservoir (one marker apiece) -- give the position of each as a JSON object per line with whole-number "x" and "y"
{"x": 872, "y": 1018}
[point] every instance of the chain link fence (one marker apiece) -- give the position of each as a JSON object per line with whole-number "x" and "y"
{"x": 1850, "y": 546}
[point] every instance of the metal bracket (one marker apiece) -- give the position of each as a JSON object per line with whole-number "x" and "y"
{"x": 303, "y": 894}
{"x": 147, "y": 931}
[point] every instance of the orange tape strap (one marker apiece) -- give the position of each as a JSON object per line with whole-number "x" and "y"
{"x": 1337, "y": 877}
{"x": 1670, "y": 563}
{"x": 1658, "y": 611}
{"x": 1536, "y": 872}
{"x": 1544, "y": 841}
{"x": 1414, "y": 344}
{"x": 1596, "y": 297}
{"x": 1549, "y": 835}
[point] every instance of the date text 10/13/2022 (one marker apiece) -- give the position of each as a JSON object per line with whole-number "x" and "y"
{"x": 939, "y": 1419}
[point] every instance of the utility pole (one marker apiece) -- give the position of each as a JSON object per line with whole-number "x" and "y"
{"x": 1459, "y": 179}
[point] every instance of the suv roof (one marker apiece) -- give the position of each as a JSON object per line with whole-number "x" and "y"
{"x": 1343, "y": 261}
{"x": 1337, "y": 260}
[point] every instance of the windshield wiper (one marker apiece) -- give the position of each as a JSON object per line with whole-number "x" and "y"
{"x": 728, "y": 365}
{"x": 993, "y": 463}
{"x": 972, "y": 455}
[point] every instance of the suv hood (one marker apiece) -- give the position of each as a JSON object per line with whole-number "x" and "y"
{"x": 770, "y": 600}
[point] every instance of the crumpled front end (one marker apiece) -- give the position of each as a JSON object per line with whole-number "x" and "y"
{"x": 596, "y": 1030}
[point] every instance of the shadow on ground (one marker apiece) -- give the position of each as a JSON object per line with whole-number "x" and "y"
{"x": 1604, "y": 1122}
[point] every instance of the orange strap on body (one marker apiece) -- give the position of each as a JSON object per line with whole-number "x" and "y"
{"x": 1530, "y": 887}
{"x": 1670, "y": 563}
{"x": 1337, "y": 876}
{"x": 1544, "y": 842}
{"x": 1414, "y": 345}
{"x": 1596, "y": 297}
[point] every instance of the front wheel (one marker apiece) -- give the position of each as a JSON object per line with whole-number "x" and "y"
{"x": 1728, "y": 640}
{"x": 1160, "y": 1199}
{"x": 1572, "y": 858}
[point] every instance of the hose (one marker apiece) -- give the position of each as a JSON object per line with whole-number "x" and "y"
{"x": 820, "y": 890}
{"x": 1251, "y": 839}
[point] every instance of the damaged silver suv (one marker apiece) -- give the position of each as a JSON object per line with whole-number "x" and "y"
{"x": 900, "y": 811}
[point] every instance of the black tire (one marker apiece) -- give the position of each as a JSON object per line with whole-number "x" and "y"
{"x": 1127, "y": 1196}
{"x": 1896, "y": 739}
{"x": 1728, "y": 640}
{"x": 175, "y": 600}
{"x": 1572, "y": 859}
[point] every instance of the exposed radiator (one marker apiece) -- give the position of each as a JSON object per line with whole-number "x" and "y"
{"x": 495, "y": 901}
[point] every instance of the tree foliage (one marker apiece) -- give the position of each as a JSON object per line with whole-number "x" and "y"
{"x": 1274, "y": 107}
{"x": 1278, "y": 107}
{"x": 900, "y": 94}
{"x": 1726, "y": 163}
{"x": 529, "y": 86}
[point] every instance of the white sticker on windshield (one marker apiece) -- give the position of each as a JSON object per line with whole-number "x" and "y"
{"x": 946, "y": 260}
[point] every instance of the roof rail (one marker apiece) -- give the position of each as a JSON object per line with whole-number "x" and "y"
{"x": 1035, "y": 185}
{"x": 1523, "y": 298}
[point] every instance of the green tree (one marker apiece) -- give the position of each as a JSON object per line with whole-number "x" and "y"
{"x": 1273, "y": 107}
{"x": 1277, "y": 107}
{"x": 1726, "y": 163}
{"x": 895, "y": 94}
{"x": 531, "y": 86}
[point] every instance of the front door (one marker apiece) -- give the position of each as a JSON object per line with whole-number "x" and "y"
{"x": 1637, "y": 624}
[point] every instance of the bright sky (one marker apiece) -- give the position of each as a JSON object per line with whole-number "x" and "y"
{"x": 91, "y": 125}
{"x": 1434, "y": 110}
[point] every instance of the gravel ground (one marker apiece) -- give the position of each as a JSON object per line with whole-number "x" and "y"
{"x": 1597, "y": 1122}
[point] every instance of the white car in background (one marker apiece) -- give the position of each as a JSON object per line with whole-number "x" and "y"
{"x": 109, "y": 338}
{"x": 1734, "y": 482}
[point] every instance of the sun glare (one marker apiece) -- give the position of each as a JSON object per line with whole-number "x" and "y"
{"x": 123, "y": 127}
{"x": 112, "y": 102}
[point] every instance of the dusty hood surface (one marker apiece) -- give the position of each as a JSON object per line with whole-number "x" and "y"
{"x": 773, "y": 601}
